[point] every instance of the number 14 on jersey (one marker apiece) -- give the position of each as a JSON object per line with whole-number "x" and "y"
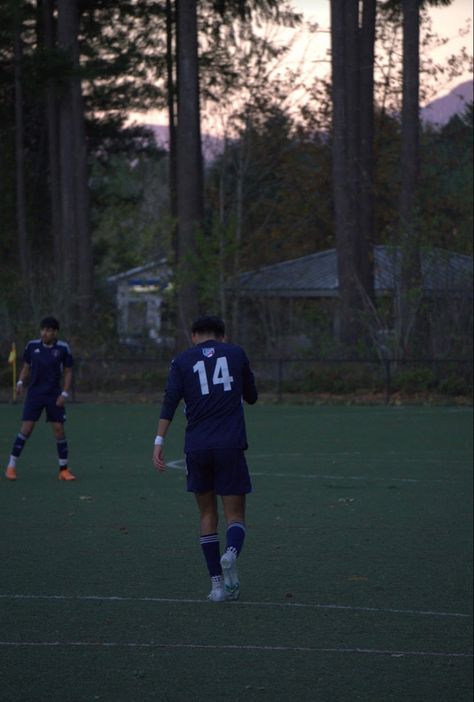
{"x": 220, "y": 376}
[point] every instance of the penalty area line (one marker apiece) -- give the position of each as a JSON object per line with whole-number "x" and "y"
{"x": 235, "y": 647}
{"x": 179, "y": 464}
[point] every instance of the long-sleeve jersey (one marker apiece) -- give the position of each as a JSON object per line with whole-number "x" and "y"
{"x": 46, "y": 366}
{"x": 213, "y": 378}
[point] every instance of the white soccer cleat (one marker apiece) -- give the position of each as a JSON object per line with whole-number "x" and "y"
{"x": 231, "y": 576}
{"x": 218, "y": 593}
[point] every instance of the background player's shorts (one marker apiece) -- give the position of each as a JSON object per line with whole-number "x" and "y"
{"x": 35, "y": 405}
{"x": 223, "y": 470}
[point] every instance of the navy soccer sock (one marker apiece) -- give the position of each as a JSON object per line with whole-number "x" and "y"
{"x": 211, "y": 550}
{"x": 18, "y": 446}
{"x": 62, "y": 448}
{"x": 235, "y": 537}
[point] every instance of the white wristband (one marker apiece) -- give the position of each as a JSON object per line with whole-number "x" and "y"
{"x": 65, "y": 394}
{"x": 19, "y": 382}
{"x": 158, "y": 440}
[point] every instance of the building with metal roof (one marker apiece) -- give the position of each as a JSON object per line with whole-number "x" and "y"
{"x": 315, "y": 275}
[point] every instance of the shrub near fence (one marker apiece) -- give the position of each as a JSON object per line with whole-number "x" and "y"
{"x": 296, "y": 376}
{"x": 146, "y": 377}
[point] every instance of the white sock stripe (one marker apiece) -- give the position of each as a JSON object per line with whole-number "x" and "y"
{"x": 211, "y": 539}
{"x": 239, "y": 525}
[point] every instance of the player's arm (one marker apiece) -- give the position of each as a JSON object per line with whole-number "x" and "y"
{"x": 249, "y": 388}
{"x": 23, "y": 377}
{"x": 172, "y": 397}
{"x": 67, "y": 384}
{"x": 158, "y": 455}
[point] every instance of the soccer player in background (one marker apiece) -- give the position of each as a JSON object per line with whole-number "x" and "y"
{"x": 213, "y": 378}
{"x": 45, "y": 361}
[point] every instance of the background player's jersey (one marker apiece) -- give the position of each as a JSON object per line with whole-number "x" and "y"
{"x": 46, "y": 365}
{"x": 212, "y": 377}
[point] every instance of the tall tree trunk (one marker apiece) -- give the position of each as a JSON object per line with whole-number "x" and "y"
{"x": 352, "y": 85}
{"x": 190, "y": 199}
{"x": 19, "y": 156}
{"x": 67, "y": 160}
{"x": 366, "y": 165}
{"x": 171, "y": 99}
{"x": 345, "y": 221}
{"x": 53, "y": 144}
{"x": 74, "y": 193}
{"x": 409, "y": 292}
{"x": 84, "y": 244}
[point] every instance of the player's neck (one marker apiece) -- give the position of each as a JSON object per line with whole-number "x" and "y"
{"x": 203, "y": 338}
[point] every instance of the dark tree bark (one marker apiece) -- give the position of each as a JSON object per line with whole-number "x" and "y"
{"x": 66, "y": 38}
{"x": 53, "y": 144}
{"x": 189, "y": 166}
{"x": 352, "y": 85}
{"x": 410, "y": 274}
{"x": 171, "y": 97}
{"x": 367, "y": 138}
{"x": 19, "y": 156}
{"x": 74, "y": 195}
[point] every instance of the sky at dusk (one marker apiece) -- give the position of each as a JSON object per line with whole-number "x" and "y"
{"x": 446, "y": 23}
{"x": 309, "y": 55}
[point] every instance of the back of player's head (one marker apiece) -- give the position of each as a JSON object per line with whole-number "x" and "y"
{"x": 49, "y": 323}
{"x": 209, "y": 325}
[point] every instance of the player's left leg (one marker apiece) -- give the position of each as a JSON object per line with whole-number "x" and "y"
{"x": 63, "y": 451}
{"x": 209, "y": 540}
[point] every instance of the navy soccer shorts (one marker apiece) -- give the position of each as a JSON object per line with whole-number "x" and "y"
{"x": 35, "y": 405}
{"x": 224, "y": 471}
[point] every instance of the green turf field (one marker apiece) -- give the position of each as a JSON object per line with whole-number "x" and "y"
{"x": 356, "y": 573}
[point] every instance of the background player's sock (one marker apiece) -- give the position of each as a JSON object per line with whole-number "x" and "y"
{"x": 211, "y": 550}
{"x": 235, "y": 537}
{"x": 18, "y": 447}
{"x": 62, "y": 449}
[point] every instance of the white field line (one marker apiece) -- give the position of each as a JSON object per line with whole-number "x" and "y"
{"x": 241, "y": 603}
{"x": 234, "y": 647}
{"x": 179, "y": 464}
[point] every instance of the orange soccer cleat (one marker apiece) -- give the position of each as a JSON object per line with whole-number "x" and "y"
{"x": 66, "y": 474}
{"x": 10, "y": 473}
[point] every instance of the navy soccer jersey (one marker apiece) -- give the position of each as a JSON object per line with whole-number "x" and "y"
{"x": 213, "y": 378}
{"x": 46, "y": 366}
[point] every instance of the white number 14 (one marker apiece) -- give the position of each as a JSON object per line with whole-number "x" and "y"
{"x": 220, "y": 376}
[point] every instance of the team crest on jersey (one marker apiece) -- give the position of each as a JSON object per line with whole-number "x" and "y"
{"x": 55, "y": 353}
{"x": 208, "y": 352}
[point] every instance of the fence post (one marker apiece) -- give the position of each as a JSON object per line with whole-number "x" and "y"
{"x": 279, "y": 379}
{"x": 388, "y": 380}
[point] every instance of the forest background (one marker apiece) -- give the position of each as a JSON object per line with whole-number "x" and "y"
{"x": 85, "y": 192}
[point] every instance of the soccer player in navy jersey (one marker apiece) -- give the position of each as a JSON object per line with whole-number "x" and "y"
{"x": 45, "y": 361}
{"x": 213, "y": 378}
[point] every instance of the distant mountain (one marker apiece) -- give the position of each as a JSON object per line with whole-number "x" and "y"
{"x": 211, "y": 145}
{"x": 442, "y": 109}
{"x": 438, "y": 111}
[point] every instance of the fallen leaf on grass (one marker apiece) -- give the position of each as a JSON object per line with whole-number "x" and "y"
{"x": 358, "y": 578}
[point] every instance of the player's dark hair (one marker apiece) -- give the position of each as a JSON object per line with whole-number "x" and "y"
{"x": 209, "y": 324}
{"x": 49, "y": 323}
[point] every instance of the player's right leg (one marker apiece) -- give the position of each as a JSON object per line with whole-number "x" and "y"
{"x": 234, "y": 511}
{"x": 23, "y": 435}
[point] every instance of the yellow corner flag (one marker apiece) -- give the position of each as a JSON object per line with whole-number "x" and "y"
{"x": 12, "y": 362}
